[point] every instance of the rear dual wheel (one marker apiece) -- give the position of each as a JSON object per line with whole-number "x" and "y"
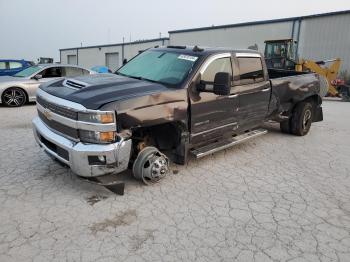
{"x": 300, "y": 122}
{"x": 150, "y": 165}
{"x": 14, "y": 97}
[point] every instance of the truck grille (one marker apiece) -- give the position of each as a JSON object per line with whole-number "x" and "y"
{"x": 60, "y": 110}
{"x": 56, "y": 126}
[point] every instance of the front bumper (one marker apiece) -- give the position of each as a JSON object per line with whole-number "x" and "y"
{"x": 76, "y": 154}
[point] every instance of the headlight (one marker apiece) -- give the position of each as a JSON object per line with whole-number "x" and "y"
{"x": 97, "y": 137}
{"x": 97, "y": 117}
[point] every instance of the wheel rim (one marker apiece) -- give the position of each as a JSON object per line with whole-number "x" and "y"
{"x": 151, "y": 166}
{"x": 13, "y": 97}
{"x": 306, "y": 119}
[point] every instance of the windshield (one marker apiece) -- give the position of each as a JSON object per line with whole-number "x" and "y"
{"x": 276, "y": 50}
{"x": 28, "y": 71}
{"x": 159, "y": 66}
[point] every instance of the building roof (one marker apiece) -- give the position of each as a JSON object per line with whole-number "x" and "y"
{"x": 118, "y": 44}
{"x": 259, "y": 22}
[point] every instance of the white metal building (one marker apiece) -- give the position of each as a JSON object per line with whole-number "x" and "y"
{"x": 111, "y": 55}
{"x": 320, "y": 37}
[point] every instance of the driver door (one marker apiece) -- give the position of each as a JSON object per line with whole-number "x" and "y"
{"x": 213, "y": 115}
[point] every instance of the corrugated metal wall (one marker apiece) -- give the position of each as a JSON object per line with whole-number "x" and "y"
{"x": 320, "y": 37}
{"x": 89, "y": 57}
{"x": 64, "y": 55}
{"x": 326, "y": 38}
{"x": 96, "y": 56}
{"x": 235, "y": 37}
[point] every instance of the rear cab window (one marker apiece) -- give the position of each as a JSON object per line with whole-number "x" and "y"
{"x": 2, "y": 65}
{"x": 14, "y": 65}
{"x": 52, "y": 72}
{"x": 74, "y": 71}
{"x": 250, "y": 70}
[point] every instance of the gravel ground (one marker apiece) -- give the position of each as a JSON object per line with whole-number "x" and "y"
{"x": 275, "y": 198}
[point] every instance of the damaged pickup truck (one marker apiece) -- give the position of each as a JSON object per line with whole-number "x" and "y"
{"x": 166, "y": 104}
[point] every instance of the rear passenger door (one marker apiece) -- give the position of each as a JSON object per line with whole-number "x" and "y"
{"x": 253, "y": 90}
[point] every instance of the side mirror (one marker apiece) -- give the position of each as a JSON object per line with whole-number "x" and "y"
{"x": 222, "y": 84}
{"x": 37, "y": 77}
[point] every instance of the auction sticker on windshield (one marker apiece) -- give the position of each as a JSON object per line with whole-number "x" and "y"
{"x": 188, "y": 57}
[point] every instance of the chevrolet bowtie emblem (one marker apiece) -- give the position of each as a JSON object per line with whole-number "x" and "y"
{"x": 47, "y": 114}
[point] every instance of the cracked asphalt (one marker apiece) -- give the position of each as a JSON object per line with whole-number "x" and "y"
{"x": 275, "y": 198}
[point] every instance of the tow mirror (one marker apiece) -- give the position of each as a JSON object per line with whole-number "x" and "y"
{"x": 222, "y": 84}
{"x": 38, "y": 77}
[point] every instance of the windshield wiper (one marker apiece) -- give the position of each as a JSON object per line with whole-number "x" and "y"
{"x": 139, "y": 78}
{"x": 119, "y": 74}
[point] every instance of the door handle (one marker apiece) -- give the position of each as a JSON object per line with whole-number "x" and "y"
{"x": 266, "y": 89}
{"x": 233, "y": 96}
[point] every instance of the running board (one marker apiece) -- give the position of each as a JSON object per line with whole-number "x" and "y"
{"x": 221, "y": 145}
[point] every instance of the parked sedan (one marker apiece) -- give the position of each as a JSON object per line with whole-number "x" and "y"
{"x": 10, "y": 67}
{"x": 20, "y": 88}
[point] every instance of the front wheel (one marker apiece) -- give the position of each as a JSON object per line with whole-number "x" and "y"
{"x": 14, "y": 97}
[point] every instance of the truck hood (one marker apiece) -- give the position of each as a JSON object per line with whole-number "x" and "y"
{"x": 94, "y": 91}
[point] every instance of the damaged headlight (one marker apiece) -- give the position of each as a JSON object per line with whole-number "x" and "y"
{"x": 103, "y": 117}
{"x": 98, "y": 134}
{"x": 97, "y": 137}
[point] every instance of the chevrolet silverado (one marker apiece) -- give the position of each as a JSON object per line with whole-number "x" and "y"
{"x": 166, "y": 104}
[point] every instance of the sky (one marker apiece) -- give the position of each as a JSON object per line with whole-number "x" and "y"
{"x": 39, "y": 28}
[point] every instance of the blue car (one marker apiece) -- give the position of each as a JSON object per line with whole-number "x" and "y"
{"x": 9, "y": 67}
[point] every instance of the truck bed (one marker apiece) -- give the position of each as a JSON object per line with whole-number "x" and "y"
{"x": 277, "y": 73}
{"x": 290, "y": 87}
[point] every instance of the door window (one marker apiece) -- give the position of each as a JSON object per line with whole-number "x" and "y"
{"x": 75, "y": 71}
{"x": 15, "y": 65}
{"x": 251, "y": 70}
{"x": 218, "y": 65}
{"x": 52, "y": 72}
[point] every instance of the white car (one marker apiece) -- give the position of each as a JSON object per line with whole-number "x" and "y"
{"x": 16, "y": 90}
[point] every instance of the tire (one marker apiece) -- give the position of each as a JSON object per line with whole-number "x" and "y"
{"x": 301, "y": 120}
{"x": 285, "y": 127}
{"x": 323, "y": 86}
{"x": 14, "y": 97}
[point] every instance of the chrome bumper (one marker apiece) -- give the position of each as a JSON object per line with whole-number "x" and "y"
{"x": 76, "y": 155}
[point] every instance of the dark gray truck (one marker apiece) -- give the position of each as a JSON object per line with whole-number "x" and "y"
{"x": 166, "y": 104}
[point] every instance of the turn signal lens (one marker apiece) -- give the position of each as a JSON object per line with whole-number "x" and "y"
{"x": 107, "y": 136}
{"x": 96, "y": 137}
{"x": 107, "y": 118}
